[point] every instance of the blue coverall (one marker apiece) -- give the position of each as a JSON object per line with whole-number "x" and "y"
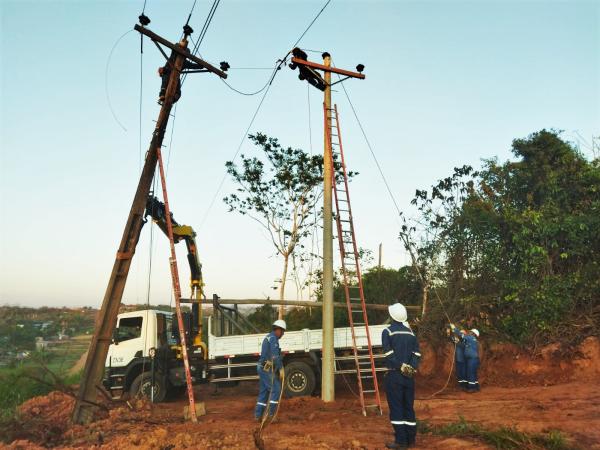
{"x": 268, "y": 379}
{"x": 461, "y": 365}
{"x": 471, "y": 350}
{"x": 400, "y": 346}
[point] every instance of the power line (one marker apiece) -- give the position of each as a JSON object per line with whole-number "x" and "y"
{"x": 281, "y": 61}
{"x": 108, "y": 60}
{"x": 207, "y": 22}
{"x": 403, "y": 235}
{"x": 266, "y": 89}
{"x": 191, "y": 12}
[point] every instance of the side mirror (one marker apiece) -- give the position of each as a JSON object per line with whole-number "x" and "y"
{"x": 115, "y": 336}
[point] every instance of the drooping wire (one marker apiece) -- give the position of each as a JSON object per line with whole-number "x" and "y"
{"x": 242, "y": 140}
{"x": 279, "y": 62}
{"x": 108, "y": 60}
{"x": 266, "y": 89}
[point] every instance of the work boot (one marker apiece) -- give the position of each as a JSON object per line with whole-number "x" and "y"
{"x": 396, "y": 446}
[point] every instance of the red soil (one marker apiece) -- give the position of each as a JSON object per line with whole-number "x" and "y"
{"x": 533, "y": 394}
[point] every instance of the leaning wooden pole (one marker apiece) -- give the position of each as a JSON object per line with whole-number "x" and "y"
{"x": 107, "y": 316}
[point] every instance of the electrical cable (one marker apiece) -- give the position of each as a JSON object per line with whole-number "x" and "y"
{"x": 265, "y": 88}
{"x": 214, "y": 198}
{"x": 282, "y": 61}
{"x": 207, "y": 22}
{"x": 171, "y": 139}
{"x": 190, "y": 14}
{"x": 403, "y": 235}
{"x": 108, "y": 60}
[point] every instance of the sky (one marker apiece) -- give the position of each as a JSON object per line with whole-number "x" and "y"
{"x": 447, "y": 83}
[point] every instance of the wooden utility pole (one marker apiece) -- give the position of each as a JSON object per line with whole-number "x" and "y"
{"x": 107, "y": 316}
{"x": 309, "y": 72}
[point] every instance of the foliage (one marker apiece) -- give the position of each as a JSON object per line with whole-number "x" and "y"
{"x": 515, "y": 247}
{"x": 279, "y": 191}
{"x": 501, "y": 438}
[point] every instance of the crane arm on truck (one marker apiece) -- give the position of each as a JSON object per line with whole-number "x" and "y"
{"x": 156, "y": 209}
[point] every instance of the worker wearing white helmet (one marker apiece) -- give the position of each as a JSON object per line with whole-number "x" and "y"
{"x": 269, "y": 364}
{"x": 401, "y": 351}
{"x": 468, "y": 339}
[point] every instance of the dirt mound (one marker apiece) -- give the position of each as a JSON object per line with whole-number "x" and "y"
{"x": 42, "y": 420}
{"x": 506, "y": 364}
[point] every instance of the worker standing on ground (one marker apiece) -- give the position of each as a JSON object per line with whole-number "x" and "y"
{"x": 401, "y": 350}
{"x": 471, "y": 352}
{"x": 459, "y": 361}
{"x": 269, "y": 365}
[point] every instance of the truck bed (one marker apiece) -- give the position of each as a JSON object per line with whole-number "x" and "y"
{"x": 292, "y": 341}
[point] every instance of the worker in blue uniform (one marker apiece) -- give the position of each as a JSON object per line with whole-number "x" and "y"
{"x": 269, "y": 364}
{"x": 401, "y": 350}
{"x": 471, "y": 352}
{"x": 459, "y": 361}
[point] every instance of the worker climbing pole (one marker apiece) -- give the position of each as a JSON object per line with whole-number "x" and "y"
{"x": 179, "y": 59}
{"x": 309, "y": 71}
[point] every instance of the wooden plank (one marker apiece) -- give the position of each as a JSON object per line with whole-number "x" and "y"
{"x": 324, "y": 68}
{"x": 308, "y": 303}
{"x": 176, "y": 48}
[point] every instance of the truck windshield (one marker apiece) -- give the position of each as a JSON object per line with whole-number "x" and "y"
{"x": 129, "y": 328}
{"x": 171, "y": 337}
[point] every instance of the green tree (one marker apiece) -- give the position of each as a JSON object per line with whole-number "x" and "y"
{"x": 278, "y": 190}
{"x": 516, "y": 246}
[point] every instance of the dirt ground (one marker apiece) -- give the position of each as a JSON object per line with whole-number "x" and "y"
{"x": 548, "y": 397}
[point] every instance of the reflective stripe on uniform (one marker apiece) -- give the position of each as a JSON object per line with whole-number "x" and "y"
{"x": 391, "y": 333}
{"x": 261, "y": 404}
{"x": 273, "y": 401}
{"x": 388, "y": 353}
{"x": 473, "y": 382}
{"x": 403, "y": 422}
{"x": 417, "y": 353}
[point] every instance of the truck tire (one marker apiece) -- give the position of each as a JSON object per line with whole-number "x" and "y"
{"x": 300, "y": 379}
{"x": 142, "y": 384}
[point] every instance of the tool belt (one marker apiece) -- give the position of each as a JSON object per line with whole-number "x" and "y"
{"x": 407, "y": 370}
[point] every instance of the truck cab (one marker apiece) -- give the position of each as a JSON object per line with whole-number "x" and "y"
{"x": 145, "y": 352}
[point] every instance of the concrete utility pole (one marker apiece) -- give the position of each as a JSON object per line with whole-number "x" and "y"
{"x": 107, "y": 316}
{"x": 328, "y": 355}
{"x": 308, "y": 72}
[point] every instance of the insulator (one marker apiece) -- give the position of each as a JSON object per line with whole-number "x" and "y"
{"x": 144, "y": 20}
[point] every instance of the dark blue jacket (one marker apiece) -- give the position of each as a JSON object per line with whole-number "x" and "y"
{"x": 400, "y": 345}
{"x": 270, "y": 351}
{"x": 459, "y": 354}
{"x": 470, "y": 344}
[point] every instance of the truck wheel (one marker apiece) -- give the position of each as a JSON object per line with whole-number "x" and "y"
{"x": 299, "y": 379}
{"x": 142, "y": 387}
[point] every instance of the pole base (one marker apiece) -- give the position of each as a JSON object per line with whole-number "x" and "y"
{"x": 200, "y": 410}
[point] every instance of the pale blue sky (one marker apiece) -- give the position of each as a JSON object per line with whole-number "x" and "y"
{"x": 448, "y": 83}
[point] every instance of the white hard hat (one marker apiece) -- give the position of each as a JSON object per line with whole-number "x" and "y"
{"x": 398, "y": 312}
{"x": 280, "y": 324}
{"x": 475, "y": 331}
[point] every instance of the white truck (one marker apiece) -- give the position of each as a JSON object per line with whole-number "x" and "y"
{"x": 145, "y": 353}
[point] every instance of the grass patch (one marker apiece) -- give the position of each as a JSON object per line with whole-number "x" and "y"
{"x": 505, "y": 438}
